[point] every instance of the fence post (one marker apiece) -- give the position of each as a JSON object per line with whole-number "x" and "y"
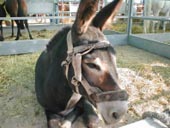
{"x": 130, "y": 8}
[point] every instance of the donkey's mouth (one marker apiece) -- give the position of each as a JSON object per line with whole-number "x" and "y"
{"x": 112, "y": 105}
{"x": 112, "y": 111}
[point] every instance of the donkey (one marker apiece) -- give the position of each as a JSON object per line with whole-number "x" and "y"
{"x": 77, "y": 72}
{"x": 18, "y": 8}
{"x": 156, "y": 7}
{"x": 2, "y": 14}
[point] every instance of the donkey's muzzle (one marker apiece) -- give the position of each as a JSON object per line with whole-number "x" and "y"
{"x": 112, "y": 105}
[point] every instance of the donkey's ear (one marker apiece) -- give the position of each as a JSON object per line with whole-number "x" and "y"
{"x": 86, "y": 12}
{"x": 106, "y": 14}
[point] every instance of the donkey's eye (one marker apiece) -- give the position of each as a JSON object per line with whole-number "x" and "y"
{"x": 92, "y": 65}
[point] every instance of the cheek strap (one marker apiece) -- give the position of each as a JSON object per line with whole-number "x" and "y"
{"x": 76, "y": 63}
{"x": 78, "y": 78}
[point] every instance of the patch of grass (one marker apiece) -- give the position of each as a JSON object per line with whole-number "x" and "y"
{"x": 143, "y": 62}
{"x": 137, "y": 29}
{"x": 42, "y": 34}
{"x": 167, "y": 42}
{"x": 119, "y": 27}
{"x": 17, "y": 96}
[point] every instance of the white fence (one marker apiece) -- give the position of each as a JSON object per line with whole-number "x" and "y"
{"x": 40, "y": 7}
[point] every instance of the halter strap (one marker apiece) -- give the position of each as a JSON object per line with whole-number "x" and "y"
{"x": 74, "y": 56}
{"x": 75, "y": 96}
{"x": 69, "y": 43}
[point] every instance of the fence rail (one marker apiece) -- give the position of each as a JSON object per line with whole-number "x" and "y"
{"x": 46, "y": 17}
{"x": 128, "y": 38}
{"x": 160, "y": 18}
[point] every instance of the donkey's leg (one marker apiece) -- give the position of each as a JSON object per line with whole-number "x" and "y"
{"x": 12, "y": 26}
{"x": 58, "y": 121}
{"x": 146, "y": 26}
{"x": 1, "y": 27}
{"x": 90, "y": 116}
{"x": 165, "y": 22}
{"x": 158, "y": 26}
{"x": 153, "y": 26}
{"x": 164, "y": 26}
{"x": 53, "y": 120}
{"x": 18, "y": 29}
{"x": 1, "y": 35}
{"x": 155, "y": 13}
{"x": 26, "y": 25}
{"x": 71, "y": 117}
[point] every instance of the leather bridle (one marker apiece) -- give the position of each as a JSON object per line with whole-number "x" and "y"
{"x": 74, "y": 57}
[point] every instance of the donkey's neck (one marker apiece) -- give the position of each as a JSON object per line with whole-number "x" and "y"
{"x": 57, "y": 45}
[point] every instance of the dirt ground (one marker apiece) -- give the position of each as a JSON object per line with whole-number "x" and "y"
{"x": 145, "y": 76}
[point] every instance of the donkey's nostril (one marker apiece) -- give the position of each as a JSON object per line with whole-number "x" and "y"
{"x": 115, "y": 115}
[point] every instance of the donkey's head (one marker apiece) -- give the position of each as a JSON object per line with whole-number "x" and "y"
{"x": 94, "y": 61}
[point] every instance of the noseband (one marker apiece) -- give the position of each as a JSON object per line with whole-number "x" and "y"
{"x": 74, "y": 57}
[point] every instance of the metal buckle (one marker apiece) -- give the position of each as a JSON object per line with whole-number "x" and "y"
{"x": 76, "y": 84}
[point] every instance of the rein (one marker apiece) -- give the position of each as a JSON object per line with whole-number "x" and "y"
{"x": 74, "y": 57}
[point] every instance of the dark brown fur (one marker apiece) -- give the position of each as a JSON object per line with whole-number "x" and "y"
{"x": 54, "y": 90}
{"x": 2, "y": 14}
{"x": 18, "y": 8}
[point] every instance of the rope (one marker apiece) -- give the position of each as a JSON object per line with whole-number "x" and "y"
{"x": 164, "y": 117}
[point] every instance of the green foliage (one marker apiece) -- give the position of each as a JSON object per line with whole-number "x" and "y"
{"x": 137, "y": 29}
{"x": 119, "y": 27}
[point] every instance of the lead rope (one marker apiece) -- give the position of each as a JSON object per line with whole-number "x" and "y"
{"x": 164, "y": 117}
